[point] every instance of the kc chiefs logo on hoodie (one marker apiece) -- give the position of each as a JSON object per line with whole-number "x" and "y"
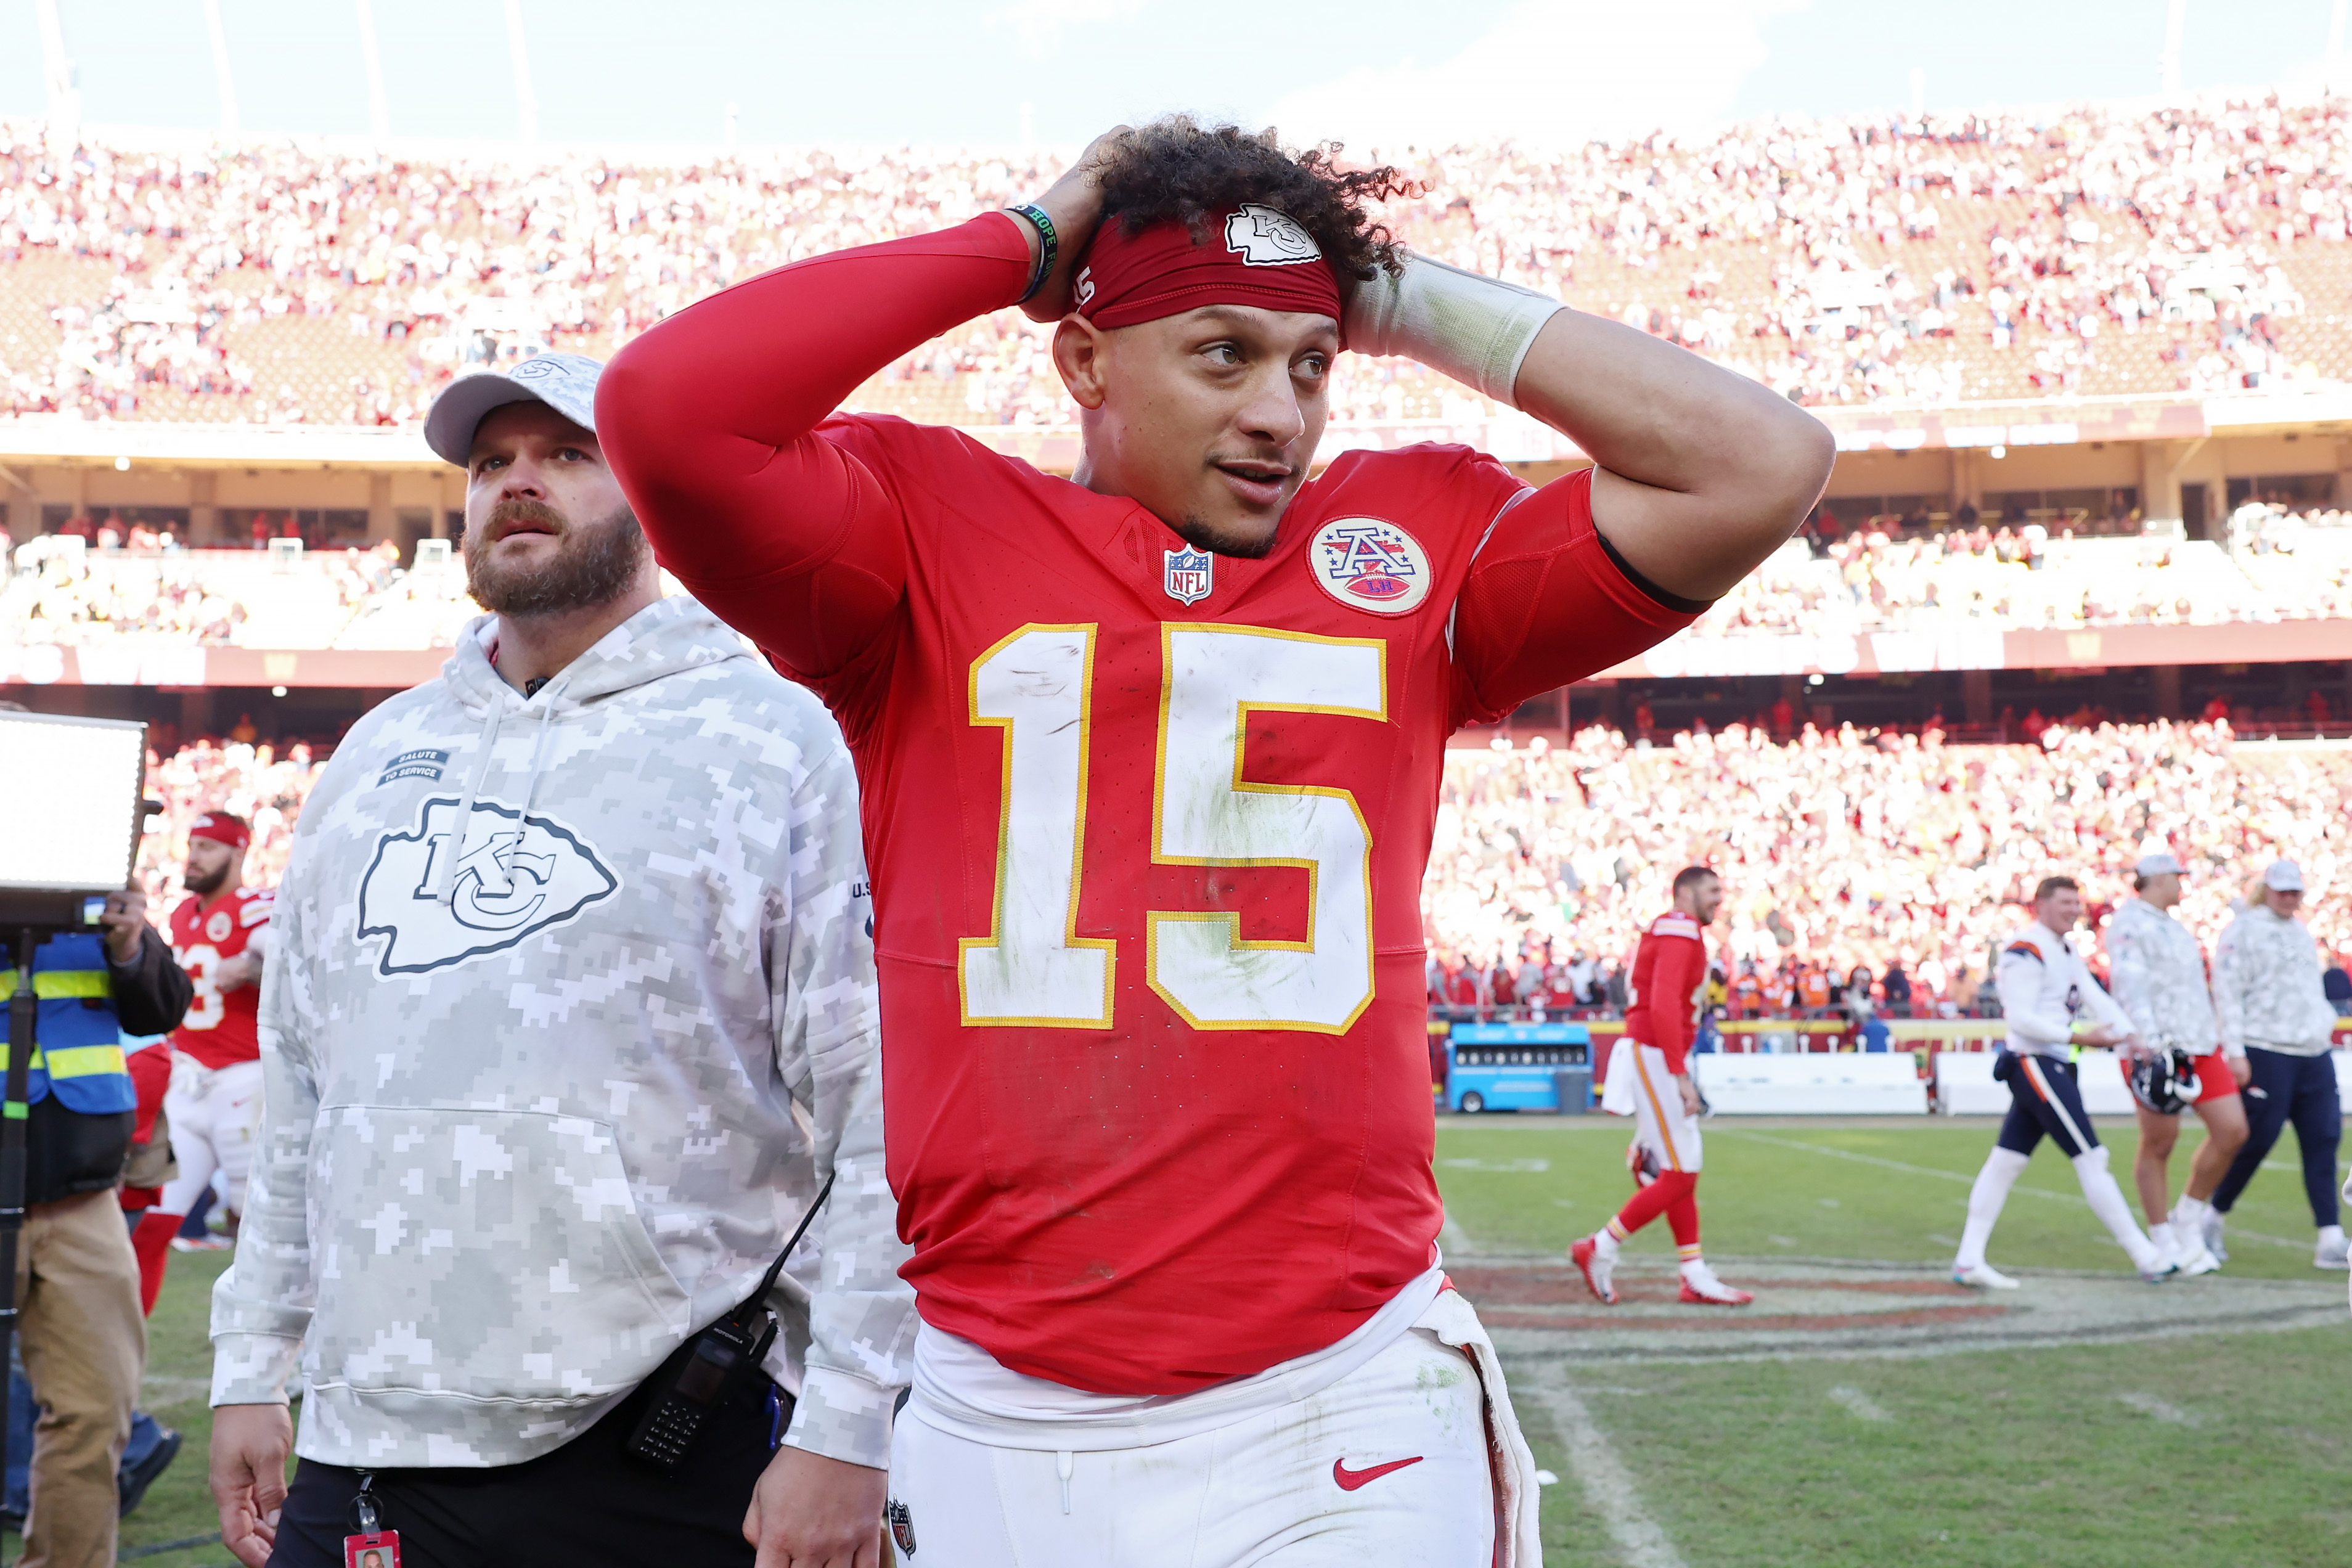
{"x": 437, "y": 897}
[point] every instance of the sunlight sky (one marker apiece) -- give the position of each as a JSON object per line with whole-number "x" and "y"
{"x": 988, "y": 71}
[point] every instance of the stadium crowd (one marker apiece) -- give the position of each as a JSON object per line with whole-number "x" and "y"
{"x": 2020, "y": 576}
{"x": 264, "y": 786}
{"x": 92, "y": 584}
{"x": 1896, "y": 855}
{"x": 1840, "y": 261}
{"x": 99, "y": 579}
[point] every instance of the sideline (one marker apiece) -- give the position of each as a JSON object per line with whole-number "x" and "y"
{"x": 1607, "y": 1484}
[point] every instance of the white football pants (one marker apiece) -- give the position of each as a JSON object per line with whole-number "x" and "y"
{"x": 1662, "y": 1127}
{"x": 1308, "y": 1483}
{"x": 215, "y": 1114}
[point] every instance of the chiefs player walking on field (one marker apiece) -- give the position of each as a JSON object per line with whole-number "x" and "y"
{"x": 220, "y": 933}
{"x": 1661, "y": 1027}
{"x": 1149, "y": 760}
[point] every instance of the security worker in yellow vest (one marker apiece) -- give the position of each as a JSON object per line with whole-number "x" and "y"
{"x": 84, "y": 1336}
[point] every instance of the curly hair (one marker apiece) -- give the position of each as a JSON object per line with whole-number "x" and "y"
{"x": 1176, "y": 170}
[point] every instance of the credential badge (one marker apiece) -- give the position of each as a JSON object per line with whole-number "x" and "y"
{"x": 1369, "y": 565}
{"x": 1191, "y": 575}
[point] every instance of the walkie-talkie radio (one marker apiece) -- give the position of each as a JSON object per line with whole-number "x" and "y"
{"x": 704, "y": 1371}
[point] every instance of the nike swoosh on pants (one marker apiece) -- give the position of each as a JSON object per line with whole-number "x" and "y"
{"x": 1351, "y": 1479}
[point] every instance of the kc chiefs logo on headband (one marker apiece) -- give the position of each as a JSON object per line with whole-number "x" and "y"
{"x": 1249, "y": 254}
{"x": 1262, "y": 237}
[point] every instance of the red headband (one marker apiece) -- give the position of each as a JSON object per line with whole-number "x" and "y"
{"x": 221, "y": 830}
{"x": 1255, "y": 255}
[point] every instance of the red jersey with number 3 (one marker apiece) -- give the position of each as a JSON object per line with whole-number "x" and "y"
{"x": 222, "y": 1026}
{"x": 1146, "y": 826}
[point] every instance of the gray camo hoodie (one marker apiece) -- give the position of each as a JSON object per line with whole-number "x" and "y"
{"x": 544, "y": 1096}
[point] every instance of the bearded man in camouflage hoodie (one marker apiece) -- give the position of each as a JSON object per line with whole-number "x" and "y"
{"x": 572, "y": 1015}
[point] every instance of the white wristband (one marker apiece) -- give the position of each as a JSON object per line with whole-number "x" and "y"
{"x": 1476, "y": 330}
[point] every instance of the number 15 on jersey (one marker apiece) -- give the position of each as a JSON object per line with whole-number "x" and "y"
{"x": 1032, "y": 969}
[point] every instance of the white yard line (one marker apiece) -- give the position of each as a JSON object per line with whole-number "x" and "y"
{"x": 1968, "y": 1180}
{"x": 2149, "y": 1405}
{"x": 2235, "y": 1233}
{"x": 1965, "y": 1179}
{"x": 1858, "y": 1405}
{"x": 162, "y": 1389}
{"x": 1452, "y": 1238}
{"x": 1608, "y": 1485}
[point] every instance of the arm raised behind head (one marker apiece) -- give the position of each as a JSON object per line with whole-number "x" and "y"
{"x": 1703, "y": 473}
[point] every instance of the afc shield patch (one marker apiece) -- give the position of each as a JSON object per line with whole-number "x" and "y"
{"x": 1191, "y": 575}
{"x": 902, "y": 1526}
{"x": 1369, "y": 565}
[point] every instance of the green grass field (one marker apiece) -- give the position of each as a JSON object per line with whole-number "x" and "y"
{"x": 2234, "y": 1451}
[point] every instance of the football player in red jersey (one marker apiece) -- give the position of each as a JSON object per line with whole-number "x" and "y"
{"x": 1661, "y": 1027}
{"x": 220, "y": 934}
{"x": 1150, "y": 760}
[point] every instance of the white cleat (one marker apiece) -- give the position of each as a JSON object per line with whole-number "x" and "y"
{"x": 2333, "y": 1253}
{"x": 1983, "y": 1276}
{"x": 1596, "y": 1267}
{"x": 2213, "y": 1228}
{"x": 2198, "y": 1259}
{"x": 1702, "y": 1288}
{"x": 2159, "y": 1269}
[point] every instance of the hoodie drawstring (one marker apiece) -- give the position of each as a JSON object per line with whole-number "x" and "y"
{"x": 494, "y": 878}
{"x": 445, "y": 887}
{"x": 548, "y": 697}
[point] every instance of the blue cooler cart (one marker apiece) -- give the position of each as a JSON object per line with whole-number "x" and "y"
{"x": 1519, "y": 1066}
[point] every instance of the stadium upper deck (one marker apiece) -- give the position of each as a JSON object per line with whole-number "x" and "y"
{"x": 2113, "y": 321}
{"x": 2103, "y": 251}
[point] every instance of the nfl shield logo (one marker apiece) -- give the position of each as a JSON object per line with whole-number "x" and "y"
{"x": 1192, "y": 574}
{"x": 902, "y": 1526}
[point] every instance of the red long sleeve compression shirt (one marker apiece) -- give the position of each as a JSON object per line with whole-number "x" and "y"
{"x": 713, "y": 421}
{"x": 709, "y": 421}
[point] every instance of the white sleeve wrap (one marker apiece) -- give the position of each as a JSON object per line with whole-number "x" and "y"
{"x": 1476, "y": 330}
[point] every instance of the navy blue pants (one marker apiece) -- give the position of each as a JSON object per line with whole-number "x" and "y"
{"x": 2301, "y": 1090}
{"x": 2042, "y": 1102}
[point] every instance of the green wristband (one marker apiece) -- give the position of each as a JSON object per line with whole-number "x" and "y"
{"x": 1045, "y": 253}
